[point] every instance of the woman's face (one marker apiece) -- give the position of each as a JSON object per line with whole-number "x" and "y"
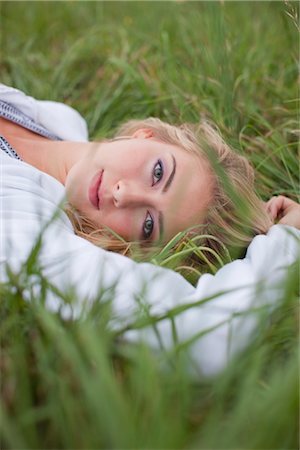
{"x": 141, "y": 188}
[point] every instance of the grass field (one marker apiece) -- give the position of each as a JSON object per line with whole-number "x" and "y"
{"x": 71, "y": 384}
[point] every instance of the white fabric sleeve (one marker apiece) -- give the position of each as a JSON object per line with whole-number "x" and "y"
{"x": 58, "y": 118}
{"x": 28, "y": 201}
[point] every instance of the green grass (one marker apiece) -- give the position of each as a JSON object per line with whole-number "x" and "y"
{"x": 74, "y": 384}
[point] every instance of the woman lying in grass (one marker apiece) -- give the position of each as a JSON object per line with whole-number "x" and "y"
{"x": 148, "y": 184}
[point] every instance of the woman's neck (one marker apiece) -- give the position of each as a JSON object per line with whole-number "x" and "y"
{"x": 52, "y": 157}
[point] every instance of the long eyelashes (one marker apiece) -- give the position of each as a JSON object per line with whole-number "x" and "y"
{"x": 148, "y": 226}
{"x": 157, "y": 175}
{"x": 158, "y": 172}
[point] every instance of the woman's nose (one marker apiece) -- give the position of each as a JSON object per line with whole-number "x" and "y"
{"x": 127, "y": 194}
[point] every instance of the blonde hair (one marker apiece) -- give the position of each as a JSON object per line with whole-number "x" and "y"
{"x": 235, "y": 213}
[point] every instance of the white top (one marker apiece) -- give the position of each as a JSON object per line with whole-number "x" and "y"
{"x": 59, "y": 119}
{"x": 29, "y": 199}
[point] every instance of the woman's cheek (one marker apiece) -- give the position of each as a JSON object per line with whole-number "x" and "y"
{"x": 76, "y": 188}
{"x": 123, "y": 223}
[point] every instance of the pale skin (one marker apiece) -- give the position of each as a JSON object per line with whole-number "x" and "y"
{"x": 284, "y": 211}
{"x": 139, "y": 187}
{"x": 144, "y": 183}
{"x": 146, "y": 191}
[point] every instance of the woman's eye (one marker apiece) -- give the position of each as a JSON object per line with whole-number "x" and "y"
{"x": 148, "y": 226}
{"x": 158, "y": 172}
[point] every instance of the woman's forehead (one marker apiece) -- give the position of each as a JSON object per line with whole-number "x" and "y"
{"x": 190, "y": 196}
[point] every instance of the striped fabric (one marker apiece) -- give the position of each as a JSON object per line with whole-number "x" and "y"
{"x": 7, "y": 148}
{"x": 14, "y": 115}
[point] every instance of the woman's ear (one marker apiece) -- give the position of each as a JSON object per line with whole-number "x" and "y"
{"x": 143, "y": 133}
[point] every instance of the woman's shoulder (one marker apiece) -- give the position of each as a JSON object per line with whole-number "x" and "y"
{"x": 58, "y": 118}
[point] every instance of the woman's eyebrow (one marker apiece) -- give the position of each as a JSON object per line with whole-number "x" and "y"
{"x": 172, "y": 174}
{"x": 160, "y": 225}
{"x": 165, "y": 188}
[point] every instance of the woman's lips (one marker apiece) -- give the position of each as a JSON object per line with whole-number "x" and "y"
{"x": 94, "y": 189}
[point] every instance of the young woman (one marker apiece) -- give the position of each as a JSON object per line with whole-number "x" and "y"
{"x": 147, "y": 184}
